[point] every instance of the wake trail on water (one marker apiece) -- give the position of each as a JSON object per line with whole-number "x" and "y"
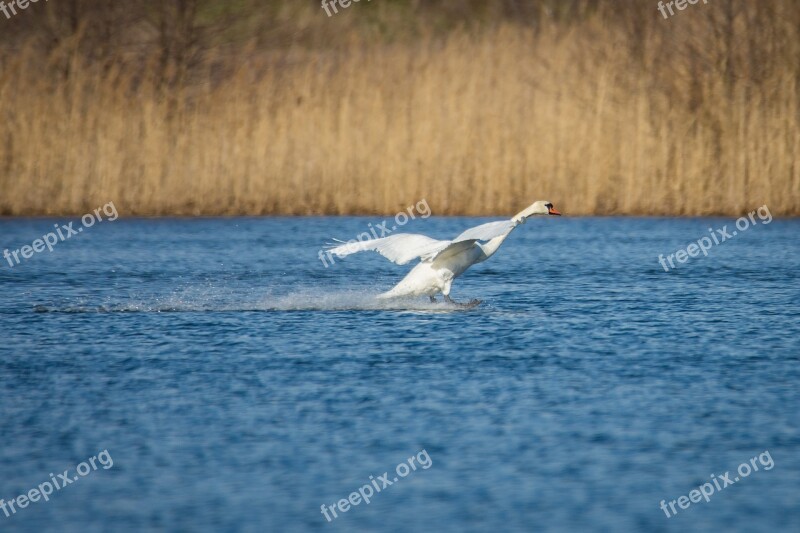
{"x": 222, "y": 299}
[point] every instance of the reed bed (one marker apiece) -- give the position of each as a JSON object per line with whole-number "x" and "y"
{"x": 601, "y": 114}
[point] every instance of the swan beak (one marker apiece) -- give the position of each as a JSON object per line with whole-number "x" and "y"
{"x": 552, "y": 211}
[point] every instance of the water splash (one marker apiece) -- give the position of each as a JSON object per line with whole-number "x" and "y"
{"x": 222, "y": 299}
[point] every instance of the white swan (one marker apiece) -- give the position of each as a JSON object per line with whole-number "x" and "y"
{"x": 441, "y": 261}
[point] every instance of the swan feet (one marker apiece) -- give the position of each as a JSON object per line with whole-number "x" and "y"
{"x": 471, "y": 303}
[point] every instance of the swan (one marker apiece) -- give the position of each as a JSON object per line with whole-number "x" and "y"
{"x": 441, "y": 262}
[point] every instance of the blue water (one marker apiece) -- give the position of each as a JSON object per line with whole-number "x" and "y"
{"x": 239, "y": 385}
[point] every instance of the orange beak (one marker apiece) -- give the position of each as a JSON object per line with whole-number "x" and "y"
{"x": 552, "y": 211}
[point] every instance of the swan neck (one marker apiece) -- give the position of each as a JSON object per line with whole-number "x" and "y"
{"x": 520, "y": 217}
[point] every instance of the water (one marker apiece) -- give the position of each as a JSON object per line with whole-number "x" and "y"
{"x": 238, "y": 384}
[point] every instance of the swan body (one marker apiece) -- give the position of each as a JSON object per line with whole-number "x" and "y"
{"x": 441, "y": 262}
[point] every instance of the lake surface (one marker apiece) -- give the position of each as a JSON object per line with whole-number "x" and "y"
{"x": 238, "y": 384}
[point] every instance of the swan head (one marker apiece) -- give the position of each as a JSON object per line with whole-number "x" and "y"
{"x": 541, "y": 207}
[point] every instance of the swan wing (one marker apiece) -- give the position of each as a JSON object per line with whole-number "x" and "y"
{"x": 453, "y": 248}
{"x": 465, "y": 241}
{"x": 486, "y": 232}
{"x": 400, "y": 248}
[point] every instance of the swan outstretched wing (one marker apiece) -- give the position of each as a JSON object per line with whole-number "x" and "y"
{"x": 453, "y": 248}
{"x": 405, "y": 247}
{"x": 486, "y": 232}
{"x": 400, "y": 248}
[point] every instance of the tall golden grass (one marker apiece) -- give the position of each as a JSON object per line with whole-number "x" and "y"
{"x": 601, "y": 115}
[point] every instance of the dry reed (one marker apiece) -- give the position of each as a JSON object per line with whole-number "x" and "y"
{"x": 600, "y": 116}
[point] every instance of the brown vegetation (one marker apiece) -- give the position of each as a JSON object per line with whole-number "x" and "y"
{"x": 179, "y": 107}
